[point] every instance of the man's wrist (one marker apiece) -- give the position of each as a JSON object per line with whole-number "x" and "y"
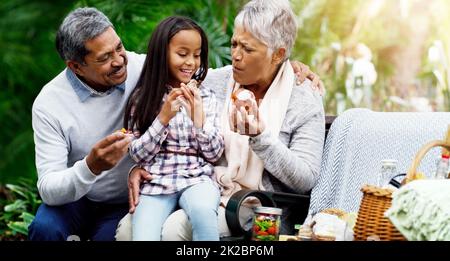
{"x": 132, "y": 168}
{"x": 91, "y": 166}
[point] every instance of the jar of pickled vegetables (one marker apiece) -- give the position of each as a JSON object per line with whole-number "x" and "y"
{"x": 266, "y": 224}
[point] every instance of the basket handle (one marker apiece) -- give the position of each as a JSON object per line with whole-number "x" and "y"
{"x": 419, "y": 156}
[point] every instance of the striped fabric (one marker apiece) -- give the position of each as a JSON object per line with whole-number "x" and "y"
{"x": 179, "y": 155}
{"x": 357, "y": 142}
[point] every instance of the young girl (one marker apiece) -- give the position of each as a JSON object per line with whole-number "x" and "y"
{"x": 177, "y": 132}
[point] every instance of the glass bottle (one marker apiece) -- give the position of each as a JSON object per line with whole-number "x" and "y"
{"x": 442, "y": 167}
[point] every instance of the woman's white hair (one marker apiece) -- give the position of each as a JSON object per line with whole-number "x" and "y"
{"x": 270, "y": 21}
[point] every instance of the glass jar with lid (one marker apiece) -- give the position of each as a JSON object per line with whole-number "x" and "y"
{"x": 388, "y": 171}
{"x": 266, "y": 224}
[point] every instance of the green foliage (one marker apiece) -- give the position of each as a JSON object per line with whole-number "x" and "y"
{"x": 26, "y": 193}
{"x": 435, "y": 75}
{"x": 21, "y": 226}
{"x": 135, "y": 20}
{"x": 28, "y": 60}
{"x": 18, "y": 207}
{"x": 216, "y": 18}
{"x": 388, "y": 28}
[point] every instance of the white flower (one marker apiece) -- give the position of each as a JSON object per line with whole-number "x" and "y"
{"x": 433, "y": 54}
{"x": 336, "y": 46}
{"x": 364, "y": 69}
{"x": 420, "y": 104}
{"x": 361, "y": 77}
{"x": 363, "y": 52}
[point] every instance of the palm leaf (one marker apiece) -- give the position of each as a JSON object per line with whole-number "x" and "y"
{"x": 19, "y": 227}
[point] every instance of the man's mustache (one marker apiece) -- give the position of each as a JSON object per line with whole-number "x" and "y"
{"x": 116, "y": 69}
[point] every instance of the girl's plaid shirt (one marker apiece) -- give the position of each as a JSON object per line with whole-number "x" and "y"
{"x": 179, "y": 155}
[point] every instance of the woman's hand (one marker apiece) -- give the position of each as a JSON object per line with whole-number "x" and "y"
{"x": 245, "y": 122}
{"x": 170, "y": 107}
{"x": 193, "y": 103}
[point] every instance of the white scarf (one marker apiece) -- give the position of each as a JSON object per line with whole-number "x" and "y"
{"x": 245, "y": 168}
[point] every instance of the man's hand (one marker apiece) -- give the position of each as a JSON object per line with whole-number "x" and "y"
{"x": 137, "y": 176}
{"x": 303, "y": 72}
{"x": 106, "y": 153}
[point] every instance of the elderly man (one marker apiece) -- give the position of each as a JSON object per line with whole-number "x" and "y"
{"x": 82, "y": 171}
{"x": 81, "y": 159}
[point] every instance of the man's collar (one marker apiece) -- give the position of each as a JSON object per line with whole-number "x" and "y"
{"x": 82, "y": 90}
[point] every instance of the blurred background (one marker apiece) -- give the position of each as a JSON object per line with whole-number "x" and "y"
{"x": 386, "y": 55}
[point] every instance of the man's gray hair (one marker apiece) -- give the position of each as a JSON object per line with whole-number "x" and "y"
{"x": 79, "y": 26}
{"x": 271, "y": 22}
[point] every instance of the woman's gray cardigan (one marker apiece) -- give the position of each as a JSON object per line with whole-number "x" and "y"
{"x": 291, "y": 162}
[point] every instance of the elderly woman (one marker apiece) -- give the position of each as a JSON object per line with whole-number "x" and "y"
{"x": 277, "y": 144}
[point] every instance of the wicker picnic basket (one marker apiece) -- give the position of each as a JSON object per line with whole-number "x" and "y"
{"x": 371, "y": 223}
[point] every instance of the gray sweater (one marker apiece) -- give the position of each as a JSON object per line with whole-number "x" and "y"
{"x": 67, "y": 121}
{"x": 291, "y": 162}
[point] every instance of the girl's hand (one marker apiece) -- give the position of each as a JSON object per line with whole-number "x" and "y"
{"x": 245, "y": 122}
{"x": 170, "y": 107}
{"x": 192, "y": 102}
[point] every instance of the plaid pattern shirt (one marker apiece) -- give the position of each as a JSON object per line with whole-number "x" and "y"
{"x": 179, "y": 155}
